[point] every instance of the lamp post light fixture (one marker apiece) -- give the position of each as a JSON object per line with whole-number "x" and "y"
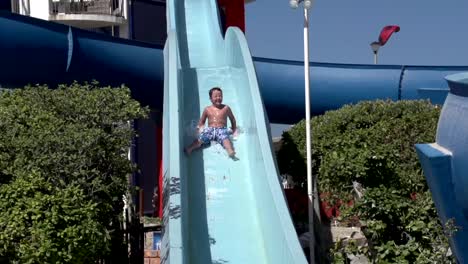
{"x": 311, "y": 183}
{"x": 375, "y": 48}
{"x": 295, "y": 3}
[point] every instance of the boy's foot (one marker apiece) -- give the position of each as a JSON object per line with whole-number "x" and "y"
{"x": 232, "y": 154}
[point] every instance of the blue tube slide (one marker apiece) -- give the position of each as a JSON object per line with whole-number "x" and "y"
{"x": 37, "y": 51}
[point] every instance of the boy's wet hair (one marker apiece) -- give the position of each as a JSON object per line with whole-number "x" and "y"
{"x": 215, "y": 89}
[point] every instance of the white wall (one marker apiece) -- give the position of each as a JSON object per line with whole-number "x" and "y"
{"x": 39, "y": 9}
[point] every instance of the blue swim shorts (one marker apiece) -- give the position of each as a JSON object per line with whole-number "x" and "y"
{"x": 218, "y": 134}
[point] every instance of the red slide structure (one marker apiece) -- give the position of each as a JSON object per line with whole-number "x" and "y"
{"x": 234, "y": 11}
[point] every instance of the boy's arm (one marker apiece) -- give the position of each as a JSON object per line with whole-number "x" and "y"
{"x": 202, "y": 121}
{"x": 232, "y": 119}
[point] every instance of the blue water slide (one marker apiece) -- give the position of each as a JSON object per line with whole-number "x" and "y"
{"x": 37, "y": 51}
{"x": 218, "y": 210}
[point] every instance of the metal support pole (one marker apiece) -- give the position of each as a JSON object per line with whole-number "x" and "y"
{"x": 310, "y": 182}
{"x": 375, "y": 57}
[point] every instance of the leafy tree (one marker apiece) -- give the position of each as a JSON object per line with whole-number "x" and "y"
{"x": 63, "y": 171}
{"x": 43, "y": 223}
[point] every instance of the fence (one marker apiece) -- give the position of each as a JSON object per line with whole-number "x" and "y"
{"x": 95, "y": 7}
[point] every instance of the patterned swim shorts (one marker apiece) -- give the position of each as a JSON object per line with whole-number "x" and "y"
{"x": 209, "y": 134}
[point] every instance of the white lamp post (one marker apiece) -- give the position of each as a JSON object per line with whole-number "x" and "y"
{"x": 375, "y": 48}
{"x": 310, "y": 181}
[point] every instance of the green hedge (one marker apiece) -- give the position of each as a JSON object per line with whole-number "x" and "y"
{"x": 63, "y": 171}
{"x": 372, "y": 143}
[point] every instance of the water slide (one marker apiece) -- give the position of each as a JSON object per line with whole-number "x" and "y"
{"x": 215, "y": 203}
{"x": 220, "y": 210}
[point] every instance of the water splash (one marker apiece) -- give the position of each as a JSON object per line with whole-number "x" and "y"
{"x": 191, "y": 129}
{"x": 239, "y": 131}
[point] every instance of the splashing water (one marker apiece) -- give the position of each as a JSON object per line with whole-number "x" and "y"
{"x": 237, "y": 133}
{"x": 192, "y": 128}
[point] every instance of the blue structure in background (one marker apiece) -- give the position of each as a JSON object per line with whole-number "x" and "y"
{"x": 445, "y": 163}
{"x": 37, "y": 51}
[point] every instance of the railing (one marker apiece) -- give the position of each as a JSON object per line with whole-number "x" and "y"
{"x": 20, "y": 7}
{"x": 15, "y": 7}
{"x": 95, "y": 7}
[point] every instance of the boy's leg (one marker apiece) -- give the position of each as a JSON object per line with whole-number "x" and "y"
{"x": 222, "y": 136}
{"x": 228, "y": 146}
{"x": 204, "y": 137}
{"x": 195, "y": 144}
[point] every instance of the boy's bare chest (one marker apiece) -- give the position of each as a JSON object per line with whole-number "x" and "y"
{"x": 217, "y": 114}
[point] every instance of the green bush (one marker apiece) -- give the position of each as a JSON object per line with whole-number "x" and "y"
{"x": 372, "y": 143}
{"x": 401, "y": 229}
{"x": 63, "y": 171}
{"x": 43, "y": 223}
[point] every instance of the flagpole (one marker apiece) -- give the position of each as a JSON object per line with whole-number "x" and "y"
{"x": 310, "y": 180}
{"x": 311, "y": 184}
{"x": 375, "y": 48}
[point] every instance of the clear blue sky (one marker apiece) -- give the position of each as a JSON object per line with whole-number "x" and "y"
{"x": 432, "y": 32}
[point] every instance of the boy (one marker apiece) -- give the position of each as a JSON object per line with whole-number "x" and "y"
{"x": 217, "y": 115}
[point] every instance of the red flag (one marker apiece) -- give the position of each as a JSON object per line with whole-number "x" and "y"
{"x": 386, "y": 32}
